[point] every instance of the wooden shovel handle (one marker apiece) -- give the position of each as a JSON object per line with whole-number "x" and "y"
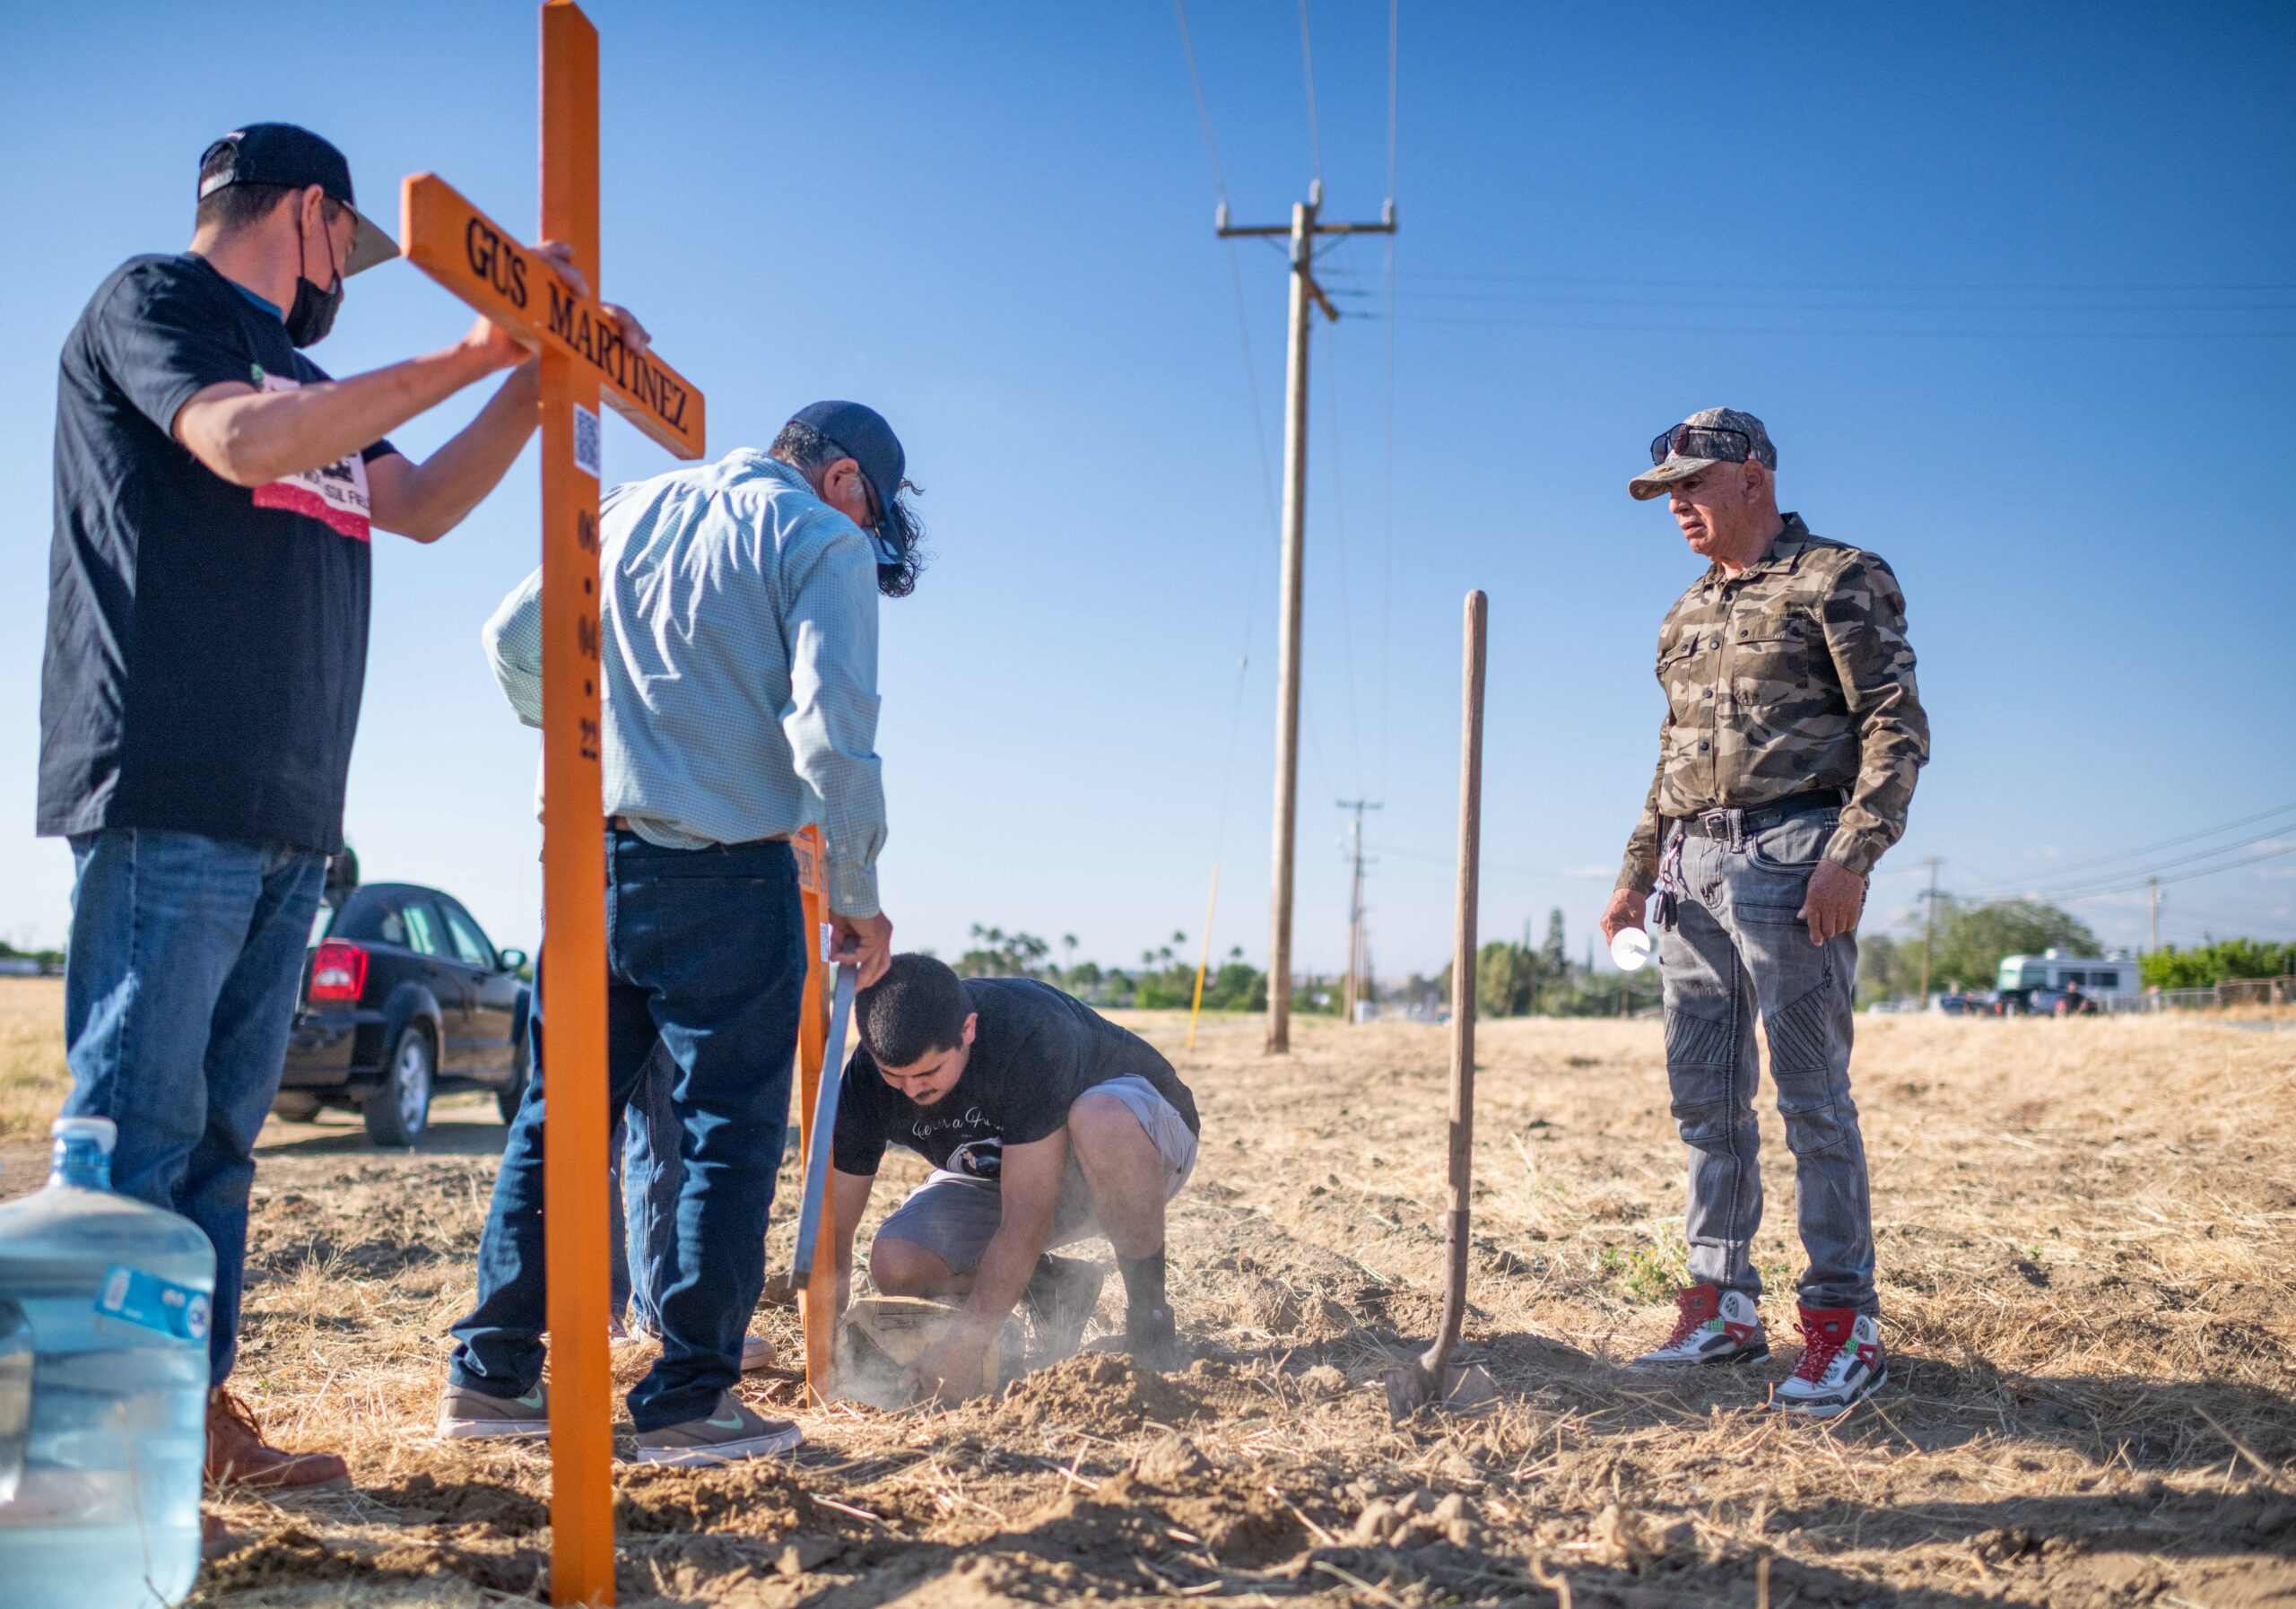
{"x": 1463, "y": 982}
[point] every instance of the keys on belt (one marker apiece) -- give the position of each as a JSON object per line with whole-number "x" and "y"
{"x": 1661, "y": 911}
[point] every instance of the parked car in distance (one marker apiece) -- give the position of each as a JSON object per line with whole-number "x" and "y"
{"x": 404, "y": 997}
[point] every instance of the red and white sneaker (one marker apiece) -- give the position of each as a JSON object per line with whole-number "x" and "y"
{"x": 1711, "y": 1326}
{"x": 1841, "y": 1362}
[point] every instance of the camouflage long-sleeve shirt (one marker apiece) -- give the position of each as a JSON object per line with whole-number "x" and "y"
{"x": 1793, "y": 675}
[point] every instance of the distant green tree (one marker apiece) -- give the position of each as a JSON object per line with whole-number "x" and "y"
{"x": 2206, "y": 966}
{"x": 1506, "y": 976}
{"x": 1605, "y": 994}
{"x": 1890, "y": 969}
{"x": 1972, "y": 939}
{"x": 1236, "y": 986}
{"x": 996, "y": 953}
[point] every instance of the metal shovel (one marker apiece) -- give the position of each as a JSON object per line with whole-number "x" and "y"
{"x": 821, "y": 1155}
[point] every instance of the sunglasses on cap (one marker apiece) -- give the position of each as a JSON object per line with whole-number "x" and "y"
{"x": 1701, "y": 441}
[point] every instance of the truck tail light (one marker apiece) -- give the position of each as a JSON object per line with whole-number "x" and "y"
{"x": 338, "y": 974}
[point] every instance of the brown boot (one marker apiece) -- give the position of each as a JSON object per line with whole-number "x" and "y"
{"x": 238, "y": 1454}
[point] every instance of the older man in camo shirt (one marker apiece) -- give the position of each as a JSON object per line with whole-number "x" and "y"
{"x": 1786, "y": 762}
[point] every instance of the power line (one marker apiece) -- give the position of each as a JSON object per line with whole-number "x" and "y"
{"x": 2158, "y": 845}
{"x": 2229, "y": 865}
{"x": 1765, "y": 303}
{"x": 2059, "y": 887}
{"x": 1260, "y": 443}
{"x": 2095, "y": 287}
{"x": 1339, "y": 550}
{"x": 1789, "y": 332}
{"x": 1394, "y": 6}
{"x": 1308, "y": 67}
{"x": 1449, "y": 859}
{"x": 1203, "y": 111}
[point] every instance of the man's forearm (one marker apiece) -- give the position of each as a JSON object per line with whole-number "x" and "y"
{"x": 257, "y": 437}
{"x": 432, "y": 498}
{"x": 513, "y": 639}
{"x": 1003, "y": 1276}
{"x": 1639, "y": 870}
{"x": 1874, "y": 816}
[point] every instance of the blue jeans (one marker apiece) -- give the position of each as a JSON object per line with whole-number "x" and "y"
{"x": 642, "y": 1199}
{"x": 186, "y": 961}
{"x": 1739, "y": 950}
{"x": 705, "y": 957}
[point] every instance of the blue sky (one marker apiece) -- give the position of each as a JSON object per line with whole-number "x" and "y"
{"x": 2014, "y": 289}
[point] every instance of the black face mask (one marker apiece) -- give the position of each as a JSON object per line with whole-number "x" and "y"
{"x": 313, "y": 314}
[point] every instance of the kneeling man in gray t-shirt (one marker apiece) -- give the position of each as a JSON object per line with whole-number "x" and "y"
{"x": 1045, "y": 1123}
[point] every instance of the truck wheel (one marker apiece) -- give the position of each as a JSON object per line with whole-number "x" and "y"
{"x": 399, "y": 1108}
{"x": 511, "y": 1096}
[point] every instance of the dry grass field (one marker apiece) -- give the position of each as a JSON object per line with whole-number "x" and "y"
{"x": 2086, "y": 1234}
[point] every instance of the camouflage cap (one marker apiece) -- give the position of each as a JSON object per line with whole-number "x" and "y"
{"x": 1654, "y": 481}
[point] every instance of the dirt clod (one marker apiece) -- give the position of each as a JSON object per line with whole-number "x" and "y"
{"x": 758, "y": 1497}
{"x": 1103, "y": 1392}
{"x": 1172, "y": 1462}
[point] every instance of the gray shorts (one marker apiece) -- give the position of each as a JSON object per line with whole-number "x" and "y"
{"x": 954, "y": 1215}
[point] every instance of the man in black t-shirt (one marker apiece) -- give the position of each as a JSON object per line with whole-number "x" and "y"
{"x": 1045, "y": 1124}
{"x": 215, "y": 493}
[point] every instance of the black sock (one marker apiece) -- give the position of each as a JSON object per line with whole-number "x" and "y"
{"x": 1143, "y": 1282}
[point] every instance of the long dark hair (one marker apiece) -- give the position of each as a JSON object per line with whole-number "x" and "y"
{"x": 898, "y": 580}
{"x": 808, "y": 451}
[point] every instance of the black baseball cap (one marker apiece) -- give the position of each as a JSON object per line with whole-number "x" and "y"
{"x": 280, "y": 154}
{"x": 870, "y": 442}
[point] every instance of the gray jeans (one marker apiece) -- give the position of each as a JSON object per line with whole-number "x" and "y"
{"x": 1737, "y": 947}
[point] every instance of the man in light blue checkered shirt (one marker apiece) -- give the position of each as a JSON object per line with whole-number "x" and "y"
{"x": 738, "y": 643}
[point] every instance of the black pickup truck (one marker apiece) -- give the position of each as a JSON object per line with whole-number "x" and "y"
{"x": 403, "y": 997}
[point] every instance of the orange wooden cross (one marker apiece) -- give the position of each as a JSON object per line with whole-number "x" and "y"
{"x": 583, "y": 357}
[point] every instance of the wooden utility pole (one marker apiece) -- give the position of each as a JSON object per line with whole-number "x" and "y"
{"x": 1356, "y": 950}
{"x": 1306, "y": 293}
{"x": 1929, "y": 927}
{"x": 2152, "y": 900}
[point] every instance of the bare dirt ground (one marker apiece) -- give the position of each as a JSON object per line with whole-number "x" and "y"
{"x": 2085, "y": 1235}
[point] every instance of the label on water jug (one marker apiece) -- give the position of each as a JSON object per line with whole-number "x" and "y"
{"x": 145, "y": 1299}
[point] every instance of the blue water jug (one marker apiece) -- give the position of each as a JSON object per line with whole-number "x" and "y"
{"x": 106, "y": 1511}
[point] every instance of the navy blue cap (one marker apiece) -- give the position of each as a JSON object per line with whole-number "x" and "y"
{"x": 870, "y": 442}
{"x": 280, "y": 154}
